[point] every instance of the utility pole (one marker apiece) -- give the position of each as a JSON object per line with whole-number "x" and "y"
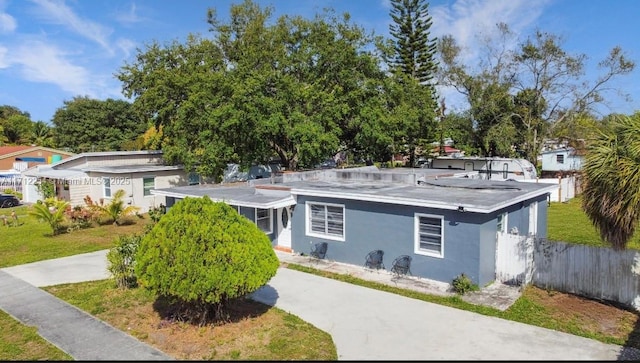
{"x": 441, "y": 117}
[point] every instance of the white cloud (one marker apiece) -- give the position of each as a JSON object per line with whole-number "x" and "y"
{"x": 57, "y": 12}
{"x": 40, "y": 62}
{"x": 127, "y": 46}
{"x": 4, "y": 63}
{"x": 467, "y": 20}
{"x": 7, "y": 23}
{"x": 130, "y": 16}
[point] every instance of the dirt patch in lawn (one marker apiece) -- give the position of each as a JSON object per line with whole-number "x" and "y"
{"x": 598, "y": 317}
{"x": 254, "y": 331}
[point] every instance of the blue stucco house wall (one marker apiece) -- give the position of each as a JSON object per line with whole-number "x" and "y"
{"x": 469, "y": 238}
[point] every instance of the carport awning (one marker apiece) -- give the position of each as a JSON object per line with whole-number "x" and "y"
{"x": 54, "y": 173}
{"x": 243, "y": 196}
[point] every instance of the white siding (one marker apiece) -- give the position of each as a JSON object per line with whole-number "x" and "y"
{"x": 514, "y": 258}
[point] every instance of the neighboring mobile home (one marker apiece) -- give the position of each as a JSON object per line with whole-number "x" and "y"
{"x": 493, "y": 168}
{"x": 448, "y": 226}
{"x": 561, "y": 160}
{"x": 100, "y": 174}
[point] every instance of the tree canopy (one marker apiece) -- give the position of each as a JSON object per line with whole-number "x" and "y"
{"x": 85, "y": 124}
{"x": 413, "y": 102}
{"x": 296, "y": 89}
{"x": 519, "y": 97}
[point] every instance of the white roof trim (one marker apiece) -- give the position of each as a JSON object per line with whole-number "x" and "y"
{"x": 284, "y": 202}
{"x": 421, "y": 203}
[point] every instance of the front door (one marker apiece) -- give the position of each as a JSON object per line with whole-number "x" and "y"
{"x": 284, "y": 227}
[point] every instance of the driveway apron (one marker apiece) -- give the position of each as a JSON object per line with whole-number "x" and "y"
{"x": 374, "y": 325}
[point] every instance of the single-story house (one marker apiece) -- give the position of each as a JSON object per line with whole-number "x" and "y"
{"x": 100, "y": 174}
{"x": 447, "y": 225}
{"x": 447, "y": 150}
{"x": 22, "y": 157}
{"x": 562, "y": 160}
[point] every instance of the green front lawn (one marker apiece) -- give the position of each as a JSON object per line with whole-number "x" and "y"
{"x": 31, "y": 240}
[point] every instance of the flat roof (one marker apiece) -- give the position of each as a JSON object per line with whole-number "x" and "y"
{"x": 473, "y": 195}
{"x": 240, "y": 194}
{"x": 126, "y": 169}
{"x": 46, "y": 171}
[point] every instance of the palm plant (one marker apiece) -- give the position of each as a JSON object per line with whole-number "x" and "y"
{"x": 41, "y": 134}
{"x": 611, "y": 193}
{"x": 115, "y": 210}
{"x": 51, "y": 211}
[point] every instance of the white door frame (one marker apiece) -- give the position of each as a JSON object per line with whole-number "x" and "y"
{"x": 284, "y": 232}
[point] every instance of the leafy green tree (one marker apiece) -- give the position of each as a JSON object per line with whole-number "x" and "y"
{"x": 52, "y": 211}
{"x": 201, "y": 255}
{"x": 17, "y": 129}
{"x": 414, "y": 58}
{"x": 539, "y": 83}
{"x": 611, "y": 171}
{"x": 13, "y": 125}
{"x": 85, "y": 124}
{"x": 459, "y": 128}
{"x": 42, "y": 134}
{"x": 298, "y": 89}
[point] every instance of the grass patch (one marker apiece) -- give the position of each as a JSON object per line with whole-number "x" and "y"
{"x": 567, "y": 222}
{"x": 19, "y": 342}
{"x": 548, "y": 309}
{"x": 31, "y": 240}
{"x": 255, "y": 332}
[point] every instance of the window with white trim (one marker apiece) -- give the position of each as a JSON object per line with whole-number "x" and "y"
{"x": 148, "y": 183}
{"x": 502, "y": 223}
{"x": 106, "y": 187}
{"x": 325, "y": 220}
{"x": 560, "y": 159}
{"x": 263, "y": 220}
{"x": 429, "y": 235}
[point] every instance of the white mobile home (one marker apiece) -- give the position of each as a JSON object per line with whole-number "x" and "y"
{"x": 493, "y": 168}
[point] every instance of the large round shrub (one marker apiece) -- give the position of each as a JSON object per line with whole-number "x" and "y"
{"x": 203, "y": 254}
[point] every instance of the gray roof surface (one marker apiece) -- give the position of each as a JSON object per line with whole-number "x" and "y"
{"x": 450, "y": 193}
{"x": 108, "y": 153}
{"x": 242, "y": 194}
{"x": 47, "y": 171}
{"x": 475, "y": 195}
{"x": 125, "y": 169}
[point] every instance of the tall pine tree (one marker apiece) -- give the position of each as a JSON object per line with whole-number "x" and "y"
{"x": 413, "y": 60}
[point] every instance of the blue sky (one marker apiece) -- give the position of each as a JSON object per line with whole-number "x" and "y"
{"x": 54, "y": 50}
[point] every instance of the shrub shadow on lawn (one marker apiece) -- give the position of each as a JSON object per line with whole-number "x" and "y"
{"x": 630, "y": 349}
{"x": 174, "y": 310}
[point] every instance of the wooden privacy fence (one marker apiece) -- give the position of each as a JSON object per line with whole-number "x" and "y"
{"x": 594, "y": 272}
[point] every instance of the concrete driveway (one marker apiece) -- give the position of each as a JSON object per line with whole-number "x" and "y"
{"x": 366, "y": 324}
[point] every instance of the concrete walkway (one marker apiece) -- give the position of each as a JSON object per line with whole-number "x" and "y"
{"x": 365, "y": 324}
